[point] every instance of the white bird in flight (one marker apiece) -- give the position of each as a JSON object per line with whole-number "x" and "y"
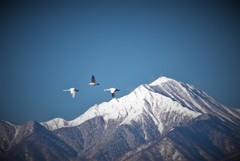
{"x": 112, "y": 90}
{"x": 72, "y": 91}
{"x": 93, "y": 81}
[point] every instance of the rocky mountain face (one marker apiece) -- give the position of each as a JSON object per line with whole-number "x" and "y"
{"x": 31, "y": 141}
{"x": 165, "y": 120}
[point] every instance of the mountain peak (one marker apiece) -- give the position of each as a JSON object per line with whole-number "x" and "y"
{"x": 161, "y": 80}
{"x": 153, "y": 100}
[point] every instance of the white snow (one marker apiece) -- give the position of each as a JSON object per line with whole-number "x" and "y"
{"x": 176, "y": 155}
{"x": 143, "y": 100}
{"x": 194, "y": 99}
{"x": 55, "y": 123}
{"x": 236, "y": 112}
{"x": 16, "y": 133}
{"x": 161, "y": 80}
{"x": 9, "y": 123}
{"x": 163, "y": 100}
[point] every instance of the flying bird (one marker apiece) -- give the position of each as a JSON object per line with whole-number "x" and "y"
{"x": 93, "y": 81}
{"x": 72, "y": 91}
{"x": 112, "y": 90}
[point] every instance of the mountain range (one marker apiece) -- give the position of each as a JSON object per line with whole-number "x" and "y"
{"x": 165, "y": 120}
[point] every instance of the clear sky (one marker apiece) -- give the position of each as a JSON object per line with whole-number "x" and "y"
{"x": 49, "y": 46}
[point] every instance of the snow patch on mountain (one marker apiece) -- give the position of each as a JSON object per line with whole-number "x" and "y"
{"x": 56, "y": 123}
{"x": 9, "y": 123}
{"x": 236, "y": 111}
{"x": 194, "y": 99}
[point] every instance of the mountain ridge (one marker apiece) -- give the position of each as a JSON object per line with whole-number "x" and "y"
{"x": 163, "y": 120}
{"x": 159, "y": 86}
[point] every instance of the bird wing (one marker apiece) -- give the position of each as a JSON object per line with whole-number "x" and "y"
{"x": 112, "y": 90}
{"x": 73, "y": 94}
{"x": 93, "y": 79}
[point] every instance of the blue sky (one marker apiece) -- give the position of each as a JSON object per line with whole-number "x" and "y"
{"x": 48, "y": 46}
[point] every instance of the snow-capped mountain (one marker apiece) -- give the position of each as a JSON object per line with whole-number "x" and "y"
{"x": 144, "y": 101}
{"x": 163, "y": 120}
{"x": 161, "y": 96}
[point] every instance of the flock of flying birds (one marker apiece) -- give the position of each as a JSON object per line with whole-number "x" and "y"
{"x": 92, "y": 83}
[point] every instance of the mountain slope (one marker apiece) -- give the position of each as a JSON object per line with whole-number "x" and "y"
{"x": 207, "y": 138}
{"x": 193, "y": 98}
{"x": 148, "y": 113}
{"x": 163, "y": 95}
{"x": 143, "y": 100}
{"x": 32, "y": 141}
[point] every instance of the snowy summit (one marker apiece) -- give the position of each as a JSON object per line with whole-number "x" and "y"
{"x": 164, "y": 101}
